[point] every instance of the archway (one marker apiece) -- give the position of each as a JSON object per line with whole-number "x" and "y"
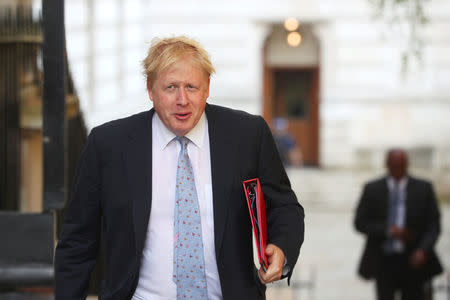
{"x": 291, "y": 88}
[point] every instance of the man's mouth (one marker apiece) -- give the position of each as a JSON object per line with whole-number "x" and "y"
{"x": 182, "y": 116}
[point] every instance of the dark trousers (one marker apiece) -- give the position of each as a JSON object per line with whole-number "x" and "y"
{"x": 396, "y": 276}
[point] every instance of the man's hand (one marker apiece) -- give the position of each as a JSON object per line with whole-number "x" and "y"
{"x": 401, "y": 234}
{"x": 417, "y": 259}
{"x": 275, "y": 257}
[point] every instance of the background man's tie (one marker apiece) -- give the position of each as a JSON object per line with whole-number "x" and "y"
{"x": 188, "y": 261}
{"x": 392, "y": 217}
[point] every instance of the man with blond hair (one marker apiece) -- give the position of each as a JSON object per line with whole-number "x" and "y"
{"x": 165, "y": 186}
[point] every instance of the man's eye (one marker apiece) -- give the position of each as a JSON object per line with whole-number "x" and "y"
{"x": 171, "y": 87}
{"x": 191, "y": 87}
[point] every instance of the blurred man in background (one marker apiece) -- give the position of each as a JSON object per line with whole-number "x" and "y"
{"x": 400, "y": 217}
{"x": 288, "y": 148}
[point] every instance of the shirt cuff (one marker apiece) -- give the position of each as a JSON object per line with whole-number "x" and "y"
{"x": 286, "y": 268}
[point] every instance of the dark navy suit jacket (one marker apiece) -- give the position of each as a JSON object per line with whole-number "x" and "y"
{"x": 112, "y": 192}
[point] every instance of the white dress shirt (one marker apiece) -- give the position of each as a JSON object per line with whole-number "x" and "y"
{"x": 155, "y": 279}
{"x": 401, "y": 209}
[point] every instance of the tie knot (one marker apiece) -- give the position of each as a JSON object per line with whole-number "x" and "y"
{"x": 183, "y": 142}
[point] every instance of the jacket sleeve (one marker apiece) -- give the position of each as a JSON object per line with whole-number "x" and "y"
{"x": 77, "y": 248}
{"x": 432, "y": 222}
{"x": 365, "y": 221}
{"x": 285, "y": 216}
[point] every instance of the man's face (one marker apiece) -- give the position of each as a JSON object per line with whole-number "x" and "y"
{"x": 179, "y": 95}
{"x": 397, "y": 163}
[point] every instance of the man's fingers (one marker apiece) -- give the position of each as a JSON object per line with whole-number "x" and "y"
{"x": 272, "y": 274}
{"x": 269, "y": 249}
{"x": 262, "y": 276}
{"x": 275, "y": 268}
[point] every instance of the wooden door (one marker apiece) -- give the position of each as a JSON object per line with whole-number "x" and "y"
{"x": 292, "y": 94}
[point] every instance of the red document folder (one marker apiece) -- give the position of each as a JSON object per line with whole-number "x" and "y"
{"x": 257, "y": 209}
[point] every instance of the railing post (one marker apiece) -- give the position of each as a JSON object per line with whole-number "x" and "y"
{"x": 54, "y": 104}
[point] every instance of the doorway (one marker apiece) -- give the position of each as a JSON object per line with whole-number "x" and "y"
{"x": 291, "y": 89}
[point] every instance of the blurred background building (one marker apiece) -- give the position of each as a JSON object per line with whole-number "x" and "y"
{"x": 332, "y": 70}
{"x": 341, "y": 88}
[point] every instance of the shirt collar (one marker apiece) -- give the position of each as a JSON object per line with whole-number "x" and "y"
{"x": 196, "y": 135}
{"x": 401, "y": 183}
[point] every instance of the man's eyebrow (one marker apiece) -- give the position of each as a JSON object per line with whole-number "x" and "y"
{"x": 171, "y": 82}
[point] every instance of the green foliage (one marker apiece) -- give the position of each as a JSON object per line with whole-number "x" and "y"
{"x": 410, "y": 16}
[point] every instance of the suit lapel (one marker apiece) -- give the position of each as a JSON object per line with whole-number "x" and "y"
{"x": 385, "y": 197}
{"x": 223, "y": 153}
{"x": 408, "y": 203}
{"x": 138, "y": 164}
{"x": 138, "y": 161}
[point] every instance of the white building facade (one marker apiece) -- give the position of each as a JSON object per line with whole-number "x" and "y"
{"x": 364, "y": 104}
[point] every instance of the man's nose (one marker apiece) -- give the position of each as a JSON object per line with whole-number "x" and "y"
{"x": 182, "y": 97}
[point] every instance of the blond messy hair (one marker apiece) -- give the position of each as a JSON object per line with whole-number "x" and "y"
{"x": 163, "y": 53}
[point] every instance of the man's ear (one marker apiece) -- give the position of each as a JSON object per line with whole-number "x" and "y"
{"x": 207, "y": 88}
{"x": 149, "y": 90}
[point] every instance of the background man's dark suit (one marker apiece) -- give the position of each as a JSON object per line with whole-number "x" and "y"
{"x": 113, "y": 187}
{"x": 422, "y": 221}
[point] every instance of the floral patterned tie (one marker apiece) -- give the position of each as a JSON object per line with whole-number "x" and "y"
{"x": 188, "y": 261}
